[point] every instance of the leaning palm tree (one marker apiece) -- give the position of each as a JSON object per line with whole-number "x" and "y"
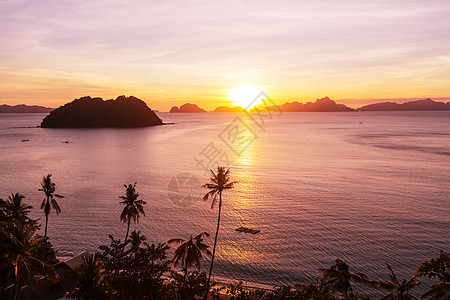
{"x": 133, "y": 207}
{"x": 398, "y": 290}
{"x": 190, "y": 252}
{"x": 220, "y": 181}
{"x": 340, "y": 278}
{"x": 48, "y": 187}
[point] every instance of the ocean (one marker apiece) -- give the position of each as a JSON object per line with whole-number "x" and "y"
{"x": 366, "y": 187}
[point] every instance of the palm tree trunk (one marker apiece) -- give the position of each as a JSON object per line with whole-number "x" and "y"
{"x": 17, "y": 281}
{"x": 46, "y": 222}
{"x": 185, "y": 268}
{"x": 214, "y": 249}
{"x": 128, "y": 229}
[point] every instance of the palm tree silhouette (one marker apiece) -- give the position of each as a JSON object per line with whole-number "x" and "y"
{"x": 190, "y": 252}
{"x": 136, "y": 239}
{"x": 341, "y": 277}
{"x": 15, "y": 208}
{"x": 48, "y": 187}
{"x": 398, "y": 290}
{"x": 220, "y": 181}
{"x": 24, "y": 249}
{"x": 89, "y": 281}
{"x": 133, "y": 207}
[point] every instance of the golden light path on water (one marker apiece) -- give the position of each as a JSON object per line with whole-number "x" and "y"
{"x": 243, "y": 248}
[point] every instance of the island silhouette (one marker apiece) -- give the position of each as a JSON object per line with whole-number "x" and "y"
{"x": 229, "y": 109}
{"x": 418, "y": 105}
{"x": 321, "y": 105}
{"x": 87, "y": 112}
{"x": 187, "y": 108}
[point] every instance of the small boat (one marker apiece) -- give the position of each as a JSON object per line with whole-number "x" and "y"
{"x": 67, "y": 142}
{"x": 247, "y": 230}
{"x": 25, "y": 140}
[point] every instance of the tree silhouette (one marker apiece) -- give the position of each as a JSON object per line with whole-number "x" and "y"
{"x": 14, "y": 207}
{"x": 220, "y": 181}
{"x": 25, "y": 253}
{"x": 133, "y": 207}
{"x": 340, "y": 278}
{"x": 89, "y": 281}
{"x": 49, "y": 202}
{"x": 136, "y": 239}
{"x": 437, "y": 267}
{"x": 398, "y": 290}
{"x": 190, "y": 252}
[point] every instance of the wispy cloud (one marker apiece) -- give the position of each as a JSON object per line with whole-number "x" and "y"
{"x": 173, "y": 50}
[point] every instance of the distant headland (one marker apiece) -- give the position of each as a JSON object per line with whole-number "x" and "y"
{"x": 321, "y": 105}
{"x": 418, "y": 105}
{"x": 327, "y": 105}
{"x": 187, "y": 108}
{"x": 87, "y": 112}
{"x": 22, "y": 108}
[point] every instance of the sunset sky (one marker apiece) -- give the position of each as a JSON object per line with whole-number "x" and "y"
{"x": 171, "y": 52}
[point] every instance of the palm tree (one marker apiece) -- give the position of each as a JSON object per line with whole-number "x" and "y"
{"x": 89, "y": 282}
{"x": 133, "y": 207}
{"x": 136, "y": 238}
{"x": 398, "y": 290}
{"x": 24, "y": 251}
{"x": 48, "y": 187}
{"x": 341, "y": 277}
{"x": 220, "y": 181}
{"x": 14, "y": 207}
{"x": 190, "y": 252}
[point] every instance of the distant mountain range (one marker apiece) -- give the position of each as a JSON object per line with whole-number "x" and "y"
{"x": 417, "y": 105}
{"x": 328, "y": 105}
{"x": 22, "y": 108}
{"x": 321, "y": 105}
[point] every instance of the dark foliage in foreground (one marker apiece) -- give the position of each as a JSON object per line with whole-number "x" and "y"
{"x": 136, "y": 269}
{"x": 438, "y": 267}
{"x": 23, "y": 253}
{"x": 339, "y": 278}
{"x": 134, "y": 274}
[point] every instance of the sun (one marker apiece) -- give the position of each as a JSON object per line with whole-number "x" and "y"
{"x": 246, "y": 97}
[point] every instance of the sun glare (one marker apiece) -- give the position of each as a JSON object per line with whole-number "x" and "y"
{"x": 246, "y": 97}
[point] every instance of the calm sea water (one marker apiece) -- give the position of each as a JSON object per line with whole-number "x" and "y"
{"x": 368, "y": 187}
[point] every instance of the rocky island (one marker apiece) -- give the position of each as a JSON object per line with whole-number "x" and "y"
{"x": 88, "y": 112}
{"x": 187, "y": 108}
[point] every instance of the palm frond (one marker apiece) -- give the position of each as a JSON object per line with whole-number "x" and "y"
{"x": 392, "y": 275}
{"x": 175, "y": 241}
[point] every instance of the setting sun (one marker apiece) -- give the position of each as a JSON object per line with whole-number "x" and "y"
{"x": 246, "y": 97}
